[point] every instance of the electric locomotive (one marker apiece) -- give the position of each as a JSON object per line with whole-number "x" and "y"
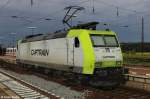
{"x": 92, "y": 56}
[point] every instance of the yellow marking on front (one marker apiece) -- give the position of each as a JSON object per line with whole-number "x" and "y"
{"x": 88, "y": 50}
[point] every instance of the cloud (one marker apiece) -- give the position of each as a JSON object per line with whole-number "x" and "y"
{"x": 105, "y": 11}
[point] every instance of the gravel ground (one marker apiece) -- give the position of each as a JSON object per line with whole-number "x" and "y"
{"x": 53, "y": 87}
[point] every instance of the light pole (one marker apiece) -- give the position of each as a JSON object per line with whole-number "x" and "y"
{"x": 142, "y": 36}
{"x": 32, "y": 29}
{"x": 1, "y": 38}
{"x": 13, "y": 37}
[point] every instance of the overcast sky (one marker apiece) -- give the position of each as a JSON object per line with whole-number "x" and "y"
{"x": 129, "y": 13}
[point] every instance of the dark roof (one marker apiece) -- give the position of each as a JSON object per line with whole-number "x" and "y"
{"x": 39, "y": 37}
{"x": 59, "y": 33}
{"x": 89, "y": 25}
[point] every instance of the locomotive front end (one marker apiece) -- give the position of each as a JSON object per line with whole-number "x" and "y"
{"x": 108, "y": 69}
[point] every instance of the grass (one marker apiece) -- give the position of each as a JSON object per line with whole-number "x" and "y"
{"x": 137, "y": 58}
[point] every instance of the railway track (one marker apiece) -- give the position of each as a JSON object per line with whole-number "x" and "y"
{"x": 55, "y": 90}
{"x": 88, "y": 92}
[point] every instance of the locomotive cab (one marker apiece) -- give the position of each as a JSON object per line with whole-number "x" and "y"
{"x": 101, "y": 54}
{"x": 108, "y": 57}
{"x": 107, "y": 51}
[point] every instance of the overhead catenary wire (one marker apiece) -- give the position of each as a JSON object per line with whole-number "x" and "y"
{"x": 39, "y": 19}
{"x": 55, "y": 12}
{"x": 117, "y": 11}
{"x": 32, "y": 2}
{"x": 52, "y": 14}
{"x": 5, "y": 4}
{"x": 93, "y": 8}
{"x": 121, "y": 8}
{"x": 80, "y": 3}
{"x": 137, "y": 13}
{"x": 140, "y": 13}
{"x": 116, "y": 7}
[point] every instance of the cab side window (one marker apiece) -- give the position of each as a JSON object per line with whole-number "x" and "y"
{"x": 76, "y": 42}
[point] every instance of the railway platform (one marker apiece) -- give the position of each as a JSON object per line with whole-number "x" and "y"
{"x": 139, "y": 70}
{"x": 5, "y": 92}
{"x": 11, "y": 59}
{"x": 12, "y": 89}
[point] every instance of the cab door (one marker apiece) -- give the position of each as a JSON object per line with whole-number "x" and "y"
{"x": 78, "y": 53}
{"x": 75, "y": 52}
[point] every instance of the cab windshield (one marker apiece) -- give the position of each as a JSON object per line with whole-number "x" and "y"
{"x": 104, "y": 40}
